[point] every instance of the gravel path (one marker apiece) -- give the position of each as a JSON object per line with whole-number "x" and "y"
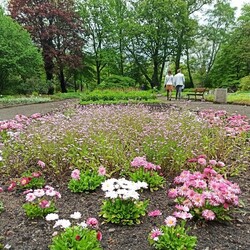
{"x": 7, "y": 113}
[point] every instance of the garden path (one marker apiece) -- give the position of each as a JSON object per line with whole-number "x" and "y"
{"x": 7, "y": 113}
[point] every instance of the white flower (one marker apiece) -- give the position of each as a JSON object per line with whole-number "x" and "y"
{"x": 7, "y": 246}
{"x": 51, "y": 192}
{"x": 83, "y": 224}
{"x": 108, "y": 185}
{"x": 76, "y": 215}
{"x": 63, "y": 223}
{"x": 111, "y": 194}
{"x": 39, "y": 192}
{"x": 52, "y": 216}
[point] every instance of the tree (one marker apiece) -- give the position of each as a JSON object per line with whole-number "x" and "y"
{"x": 56, "y": 28}
{"x": 19, "y": 58}
{"x": 233, "y": 60}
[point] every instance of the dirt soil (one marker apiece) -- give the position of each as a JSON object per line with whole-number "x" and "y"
{"x": 23, "y": 234}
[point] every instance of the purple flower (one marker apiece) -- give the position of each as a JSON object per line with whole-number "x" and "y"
{"x": 154, "y": 213}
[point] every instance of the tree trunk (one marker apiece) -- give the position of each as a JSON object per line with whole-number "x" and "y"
{"x": 62, "y": 81}
{"x": 189, "y": 70}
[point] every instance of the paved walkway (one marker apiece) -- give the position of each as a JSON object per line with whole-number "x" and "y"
{"x": 10, "y": 112}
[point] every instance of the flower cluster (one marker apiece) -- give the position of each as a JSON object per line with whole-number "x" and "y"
{"x": 123, "y": 205}
{"x": 147, "y": 172}
{"x": 204, "y": 194}
{"x": 142, "y": 162}
{"x": 122, "y": 188}
{"x": 83, "y": 235}
{"x": 40, "y": 202}
{"x": 88, "y": 180}
{"x": 171, "y": 236}
{"x": 29, "y": 179}
{"x": 234, "y": 125}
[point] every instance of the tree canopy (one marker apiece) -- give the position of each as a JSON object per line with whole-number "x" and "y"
{"x": 19, "y": 58}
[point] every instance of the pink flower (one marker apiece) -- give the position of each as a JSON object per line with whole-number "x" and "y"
{"x": 30, "y": 197}
{"x": 170, "y": 221}
{"x": 39, "y": 192}
{"x": 75, "y": 174}
{"x": 25, "y": 180}
{"x": 172, "y": 193}
{"x": 213, "y": 162}
{"x": 36, "y": 174}
{"x": 44, "y": 204}
{"x": 102, "y": 170}
{"x": 183, "y": 215}
{"x": 202, "y": 156}
{"x": 154, "y": 213}
{"x": 139, "y": 162}
{"x": 155, "y": 233}
{"x": 99, "y": 236}
{"x": 11, "y": 186}
{"x": 92, "y": 222}
{"x": 220, "y": 164}
{"x": 208, "y": 214}
{"x": 192, "y": 160}
{"x": 41, "y": 164}
{"x": 1, "y": 189}
{"x": 202, "y": 161}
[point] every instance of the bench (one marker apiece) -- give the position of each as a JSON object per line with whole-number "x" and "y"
{"x": 197, "y": 92}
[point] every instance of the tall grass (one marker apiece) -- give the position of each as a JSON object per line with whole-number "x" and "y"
{"x": 90, "y": 136}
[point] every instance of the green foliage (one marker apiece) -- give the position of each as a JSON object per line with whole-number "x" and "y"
{"x": 245, "y": 83}
{"x": 20, "y": 59}
{"x": 1, "y": 207}
{"x": 109, "y": 95}
{"x": 34, "y": 210}
{"x": 15, "y": 100}
{"x": 76, "y": 238}
{"x": 152, "y": 178}
{"x": 125, "y": 212}
{"x": 34, "y": 182}
{"x": 89, "y": 181}
{"x": 174, "y": 238}
{"x": 117, "y": 82}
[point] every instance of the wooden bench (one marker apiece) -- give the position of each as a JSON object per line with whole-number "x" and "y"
{"x": 197, "y": 92}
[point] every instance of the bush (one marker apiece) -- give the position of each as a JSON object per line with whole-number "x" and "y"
{"x": 245, "y": 83}
{"x": 116, "y": 81}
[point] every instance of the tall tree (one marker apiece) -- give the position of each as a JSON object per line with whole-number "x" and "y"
{"x": 233, "y": 60}
{"x": 19, "y": 58}
{"x": 56, "y": 28}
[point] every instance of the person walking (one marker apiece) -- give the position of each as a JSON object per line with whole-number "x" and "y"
{"x": 179, "y": 83}
{"x": 168, "y": 84}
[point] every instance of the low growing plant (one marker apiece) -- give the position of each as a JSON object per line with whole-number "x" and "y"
{"x": 205, "y": 195}
{"x": 84, "y": 235}
{"x": 146, "y": 172}
{"x": 1, "y": 207}
{"x": 40, "y": 202}
{"x": 122, "y": 205}
{"x": 171, "y": 236}
{"x": 87, "y": 180}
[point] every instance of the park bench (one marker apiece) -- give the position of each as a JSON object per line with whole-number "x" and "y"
{"x": 197, "y": 92}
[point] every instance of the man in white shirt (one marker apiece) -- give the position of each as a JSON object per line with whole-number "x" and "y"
{"x": 179, "y": 81}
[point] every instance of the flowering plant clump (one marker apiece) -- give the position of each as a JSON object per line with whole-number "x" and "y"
{"x": 206, "y": 195}
{"x": 29, "y": 179}
{"x": 171, "y": 236}
{"x": 40, "y": 202}
{"x": 86, "y": 181}
{"x": 147, "y": 172}
{"x": 84, "y": 235}
{"x": 123, "y": 205}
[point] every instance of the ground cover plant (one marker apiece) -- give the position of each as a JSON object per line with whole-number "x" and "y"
{"x": 118, "y": 138}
